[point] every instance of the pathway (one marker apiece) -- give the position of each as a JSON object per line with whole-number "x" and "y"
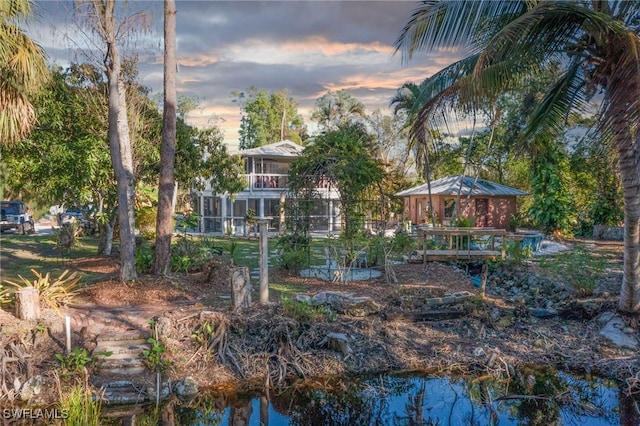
{"x": 122, "y": 376}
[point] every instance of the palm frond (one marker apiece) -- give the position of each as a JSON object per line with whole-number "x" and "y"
{"x": 549, "y": 118}
{"x": 450, "y": 23}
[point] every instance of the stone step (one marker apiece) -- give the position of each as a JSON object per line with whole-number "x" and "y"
{"x": 131, "y": 390}
{"x": 133, "y": 336}
{"x": 117, "y": 349}
{"x": 126, "y": 368}
{"x": 124, "y": 396}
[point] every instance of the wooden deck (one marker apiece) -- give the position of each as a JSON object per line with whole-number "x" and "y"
{"x": 466, "y": 244}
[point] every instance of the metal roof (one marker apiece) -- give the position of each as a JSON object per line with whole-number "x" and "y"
{"x": 451, "y": 184}
{"x": 284, "y": 148}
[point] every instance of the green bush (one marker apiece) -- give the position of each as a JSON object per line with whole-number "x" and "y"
{"x": 294, "y": 251}
{"x": 144, "y": 259}
{"x": 54, "y": 292}
{"x": 306, "y": 313}
{"x": 294, "y": 260}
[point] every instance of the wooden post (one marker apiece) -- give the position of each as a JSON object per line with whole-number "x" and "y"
{"x": 264, "y": 261}
{"x": 282, "y": 227}
{"x": 483, "y": 279}
{"x": 240, "y": 287}
{"x": 28, "y": 304}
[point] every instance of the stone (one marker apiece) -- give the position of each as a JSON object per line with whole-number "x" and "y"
{"x": 543, "y": 312}
{"x": 186, "y": 387}
{"x": 31, "y": 388}
{"x": 338, "y": 342}
{"x": 163, "y": 325}
{"x": 165, "y": 390}
{"x": 613, "y": 330}
{"x": 346, "y": 303}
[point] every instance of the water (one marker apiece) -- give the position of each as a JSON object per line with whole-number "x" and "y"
{"x": 546, "y": 398}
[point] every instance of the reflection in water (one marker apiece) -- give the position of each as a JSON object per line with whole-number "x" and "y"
{"x": 534, "y": 397}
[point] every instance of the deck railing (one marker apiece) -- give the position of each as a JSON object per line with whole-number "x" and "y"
{"x": 451, "y": 243}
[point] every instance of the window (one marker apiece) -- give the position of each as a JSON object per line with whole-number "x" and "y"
{"x": 271, "y": 207}
{"x": 211, "y": 206}
{"x": 449, "y": 204}
{"x": 239, "y": 208}
{"x": 482, "y": 205}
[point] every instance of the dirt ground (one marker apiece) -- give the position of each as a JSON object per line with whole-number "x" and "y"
{"x": 269, "y": 345}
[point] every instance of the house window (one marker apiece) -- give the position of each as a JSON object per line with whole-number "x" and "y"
{"x": 482, "y": 205}
{"x": 239, "y": 208}
{"x": 271, "y": 207}
{"x": 449, "y": 204}
{"x": 211, "y": 206}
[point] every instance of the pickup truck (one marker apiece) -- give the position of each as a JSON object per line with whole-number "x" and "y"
{"x": 13, "y": 215}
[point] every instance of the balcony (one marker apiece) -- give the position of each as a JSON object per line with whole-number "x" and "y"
{"x": 266, "y": 182}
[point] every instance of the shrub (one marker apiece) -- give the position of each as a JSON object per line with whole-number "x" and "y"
{"x": 294, "y": 260}
{"x": 67, "y": 235}
{"x": 144, "y": 260}
{"x": 80, "y": 406}
{"x": 54, "y": 293}
{"x": 305, "y": 312}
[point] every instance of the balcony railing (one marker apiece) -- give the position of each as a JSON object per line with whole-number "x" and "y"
{"x": 267, "y": 181}
{"x": 270, "y": 181}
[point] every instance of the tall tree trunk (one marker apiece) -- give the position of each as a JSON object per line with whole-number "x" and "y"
{"x": 168, "y": 152}
{"x": 629, "y": 162}
{"x": 120, "y": 147}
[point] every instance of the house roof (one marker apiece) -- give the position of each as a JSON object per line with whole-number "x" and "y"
{"x": 451, "y": 184}
{"x": 284, "y": 148}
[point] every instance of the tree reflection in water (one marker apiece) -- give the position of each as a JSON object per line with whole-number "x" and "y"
{"x": 531, "y": 397}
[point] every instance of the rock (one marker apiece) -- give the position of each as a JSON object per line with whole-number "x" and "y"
{"x": 165, "y": 390}
{"x": 186, "y": 387}
{"x": 338, "y": 342}
{"x": 613, "y": 330}
{"x": 31, "y": 388}
{"x": 478, "y": 352}
{"x": 163, "y": 325}
{"x": 346, "y": 303}
{"x": 543, "y": 312}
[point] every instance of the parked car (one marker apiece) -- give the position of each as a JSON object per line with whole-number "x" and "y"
{"x": 14, "y": 215}
{"x": 70, "y": 216}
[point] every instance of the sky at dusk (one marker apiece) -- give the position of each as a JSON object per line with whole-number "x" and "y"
{"x": 304, "y": 47}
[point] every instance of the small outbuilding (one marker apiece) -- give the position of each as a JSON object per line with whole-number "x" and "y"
{"x": 485, "y": 203}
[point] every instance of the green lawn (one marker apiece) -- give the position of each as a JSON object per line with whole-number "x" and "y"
{"x": 21, "y": 253}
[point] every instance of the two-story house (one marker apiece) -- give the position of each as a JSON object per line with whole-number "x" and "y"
{"x": 266, "y": 174}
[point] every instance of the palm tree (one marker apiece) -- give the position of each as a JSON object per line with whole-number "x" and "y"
{"x": 23, "y": 70}
{"x": 336, "y": 109}
{"x": 597, "y": 44}
{"x": 406, "y": 101}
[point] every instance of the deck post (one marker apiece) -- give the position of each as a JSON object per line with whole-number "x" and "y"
{"x": 264, "y": 261}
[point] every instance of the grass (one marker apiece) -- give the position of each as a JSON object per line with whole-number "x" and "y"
{"x": 579, "y": 267}
{"x": 21, "y": 253}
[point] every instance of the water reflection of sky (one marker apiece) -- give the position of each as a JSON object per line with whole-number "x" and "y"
{"x": 441, "y": 401}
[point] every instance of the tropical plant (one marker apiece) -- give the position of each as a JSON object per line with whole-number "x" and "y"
{"x": 23, "y": 70}
{"x": 154, "y": 357}
{"x": 75, "y": 361}
{"x": 595, "y": 42}
{"x": 337, "y": 109}
{"x": 54, "y": 292}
